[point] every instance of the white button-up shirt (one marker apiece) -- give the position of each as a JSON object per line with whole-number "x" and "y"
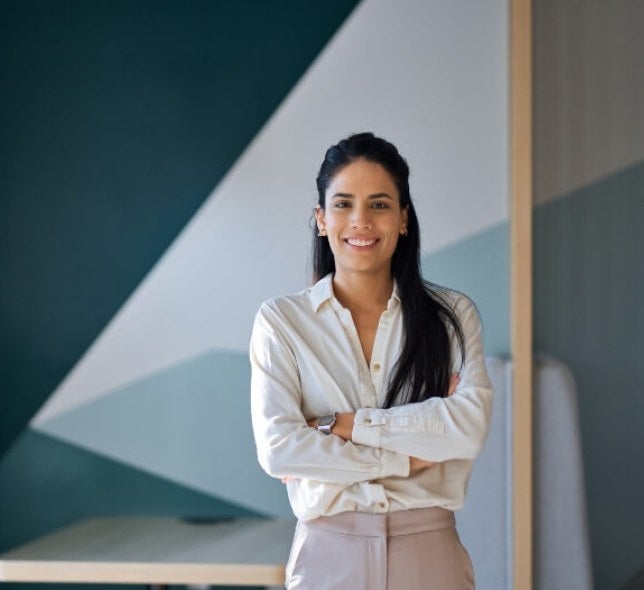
{"x": 307, "y": 361}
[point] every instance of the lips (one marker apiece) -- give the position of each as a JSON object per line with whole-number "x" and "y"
{"x": 361, "y": 242}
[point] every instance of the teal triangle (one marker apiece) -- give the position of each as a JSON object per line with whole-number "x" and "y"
{"x": 118, "y": 120}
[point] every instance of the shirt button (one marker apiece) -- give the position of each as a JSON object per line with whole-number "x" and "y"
{"x": 376, "y": 367}
{"x": 381, "y": 504}
{"x": 367, "y": 420}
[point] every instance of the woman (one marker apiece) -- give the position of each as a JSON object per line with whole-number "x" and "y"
{"x": 370, "y": 398}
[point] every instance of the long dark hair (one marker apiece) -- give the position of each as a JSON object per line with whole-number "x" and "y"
{"x": 423, "y": 369}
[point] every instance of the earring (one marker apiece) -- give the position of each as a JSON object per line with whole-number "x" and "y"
{"x": 403, "y": 231}
{"x": 321, "y": 232}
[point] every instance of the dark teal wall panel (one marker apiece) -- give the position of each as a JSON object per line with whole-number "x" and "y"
{"x": 118, "y": 118}
{"x": 589, "y": 312}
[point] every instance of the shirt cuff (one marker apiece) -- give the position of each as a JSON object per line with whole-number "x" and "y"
{"x": 366, "y": 427}
{"x": 394, "y": 464}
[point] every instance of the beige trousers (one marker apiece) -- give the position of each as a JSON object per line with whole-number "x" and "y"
{"x": 407, "y": 550}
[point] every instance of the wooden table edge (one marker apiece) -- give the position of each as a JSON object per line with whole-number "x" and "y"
{"x": 140, "y": 572}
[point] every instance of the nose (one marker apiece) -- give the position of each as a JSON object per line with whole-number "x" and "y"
{"x": 361, "y": 217}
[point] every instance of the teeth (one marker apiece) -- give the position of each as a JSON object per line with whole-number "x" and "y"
{"x": 356, "y": 242}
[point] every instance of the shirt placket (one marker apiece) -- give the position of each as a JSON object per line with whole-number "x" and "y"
{"x": 366, "y": 391}
{"x": 378, "y": 357}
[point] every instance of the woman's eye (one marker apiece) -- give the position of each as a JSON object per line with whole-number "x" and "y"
{"x": 341, "y": 204}
{"x": 380, "y": 205}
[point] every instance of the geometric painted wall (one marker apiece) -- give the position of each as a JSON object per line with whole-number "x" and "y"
{"x": 589, "y": 252}
{"x": 118, "y": 119}
{"x": 158, "y": 380}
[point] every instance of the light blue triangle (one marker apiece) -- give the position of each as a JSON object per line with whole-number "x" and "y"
{"x": 190, "y": 424}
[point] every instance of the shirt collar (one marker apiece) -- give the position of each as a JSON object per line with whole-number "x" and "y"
{"x": 323, "y": 291}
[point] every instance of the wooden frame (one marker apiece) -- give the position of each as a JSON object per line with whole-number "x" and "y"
{"x": 521, "y": 286}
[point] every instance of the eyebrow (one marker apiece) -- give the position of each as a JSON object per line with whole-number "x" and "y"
{"x": 352, "y": 196}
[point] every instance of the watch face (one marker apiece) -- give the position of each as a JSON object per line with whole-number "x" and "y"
{"x": 325, "y": 420}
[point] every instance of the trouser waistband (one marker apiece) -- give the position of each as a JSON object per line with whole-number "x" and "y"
{"x": 403, "y": 522}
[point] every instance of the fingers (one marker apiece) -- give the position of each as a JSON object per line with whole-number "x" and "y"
{"x": 416, "y": 465}
{"x": 453, "y": 383}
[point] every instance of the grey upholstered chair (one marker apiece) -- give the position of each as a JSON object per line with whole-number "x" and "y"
{"x": 561, "y": 541}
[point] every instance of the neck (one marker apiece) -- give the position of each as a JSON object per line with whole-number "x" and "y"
{"x": 363, "y": 290}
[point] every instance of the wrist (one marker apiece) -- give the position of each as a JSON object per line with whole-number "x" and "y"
{"x": 344, "y": 425}
{"x": 326, "y": 423}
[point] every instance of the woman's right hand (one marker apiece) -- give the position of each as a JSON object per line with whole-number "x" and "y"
{"x": 416, "y": 465}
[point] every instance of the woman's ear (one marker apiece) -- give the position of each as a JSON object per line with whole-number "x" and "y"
{"x": 404, "y": 221}
{"x": 320, "y": 219}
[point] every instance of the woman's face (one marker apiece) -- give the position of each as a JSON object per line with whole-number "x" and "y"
{"x": 362, "y": 218}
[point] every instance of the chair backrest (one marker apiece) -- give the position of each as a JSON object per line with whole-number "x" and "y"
{"x": 562, "y": 549}
{"x": 562, "y": 541}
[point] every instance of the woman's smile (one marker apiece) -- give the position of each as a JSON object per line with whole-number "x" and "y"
{"x": 361, "y": 243}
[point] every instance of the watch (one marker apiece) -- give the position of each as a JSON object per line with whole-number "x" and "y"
{"x": 326, "y": 423}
